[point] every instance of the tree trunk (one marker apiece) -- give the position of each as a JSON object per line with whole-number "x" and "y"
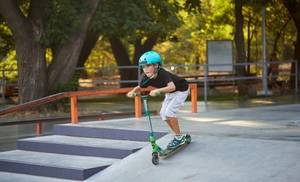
{"x": 297, "y": 58}
{"x": 35, "y": 80}
{"x": 278, "y": 35}
{"x": 31, "y": 69}
{"x": 142, "y": 48}
{"x": 30, "y": 53}
{"x": 88, "y": 45}
{"x": 62, "y": 68}
{"x": 239, "y": 42}
{"x": 122, "y": 57}
{"x": 293, "y": 7}
{"x": 249, "y": 39}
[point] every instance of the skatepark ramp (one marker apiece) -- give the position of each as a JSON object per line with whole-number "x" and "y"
{"x": 73, "y": 152}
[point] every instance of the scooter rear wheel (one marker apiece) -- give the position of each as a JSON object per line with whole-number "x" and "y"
{"x": 188, "y": 139}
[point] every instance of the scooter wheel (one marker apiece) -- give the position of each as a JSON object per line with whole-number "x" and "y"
{"x": 155, "y": 159}
{"x": 188, "y": 139}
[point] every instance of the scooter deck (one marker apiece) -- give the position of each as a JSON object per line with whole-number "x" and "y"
{"x": 168, "y": 153}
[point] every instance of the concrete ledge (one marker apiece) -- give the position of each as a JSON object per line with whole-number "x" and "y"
{"x": 107, "y": 133}
{"x": 72, "y": 149}
{"x": 49, "y": 171}
{"x": 52, "y": 165}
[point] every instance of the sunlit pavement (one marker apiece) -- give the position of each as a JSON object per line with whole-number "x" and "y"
{"x": 9, "y": 134}
{"x": 257, "y": 143}
{"x": 247, "y": 144}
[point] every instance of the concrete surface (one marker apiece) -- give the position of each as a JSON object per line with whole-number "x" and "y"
{"x": 57, "y": 160}
{"x": 249, "y": 145}
{"x": 233, "y": 145}
{"x": 212, "y": 159}
{"x": 13, "y": 177}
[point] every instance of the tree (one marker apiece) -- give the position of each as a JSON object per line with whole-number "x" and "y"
{"x": 188, "y": 43}
{"x": 36, "y": 28}
{"x": 66, "y": 51}
{"x": 6, "y": 39}
{"x": 240, "y": 46}
{"x": 134, "y": 27}
{"x": 293, "y": 7}
{"x": 277, "y": 23}
{"x": 32, "y": 77}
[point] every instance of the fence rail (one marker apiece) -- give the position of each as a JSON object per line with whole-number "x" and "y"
{"x": 203, "y": 76}
{"x": 74, "y": 102}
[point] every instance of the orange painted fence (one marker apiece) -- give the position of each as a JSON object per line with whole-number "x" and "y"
{"x": 74, "y": 102}
{"x": 137, "y": 100}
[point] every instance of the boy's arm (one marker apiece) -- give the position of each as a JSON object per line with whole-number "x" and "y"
{"x": 132, "y": 92}
{"x": 167, "y": 89}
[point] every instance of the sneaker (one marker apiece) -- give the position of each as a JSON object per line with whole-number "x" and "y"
{"x": 176, "y": 142}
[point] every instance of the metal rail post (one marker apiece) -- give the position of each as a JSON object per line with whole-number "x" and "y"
{"x": 205, "y": 82}
{"x": 38, "y": 128}
{"x": 137, "y": 106}
{"x": 193, "y": 87}
{"x": 3, "y": 85}
{"x": 296, "y": 76}
{"x": 74, "y": 110}
{"x": 265, "y": 74}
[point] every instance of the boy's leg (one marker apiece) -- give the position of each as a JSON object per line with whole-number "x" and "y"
{"x": 174, "y": 125}
{"x": 171, "y": 107}
{"x": 179, "y": 138}
{"x": 171, "y": 110}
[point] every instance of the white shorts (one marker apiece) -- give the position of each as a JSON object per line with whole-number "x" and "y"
{"x": 172, "y": 103}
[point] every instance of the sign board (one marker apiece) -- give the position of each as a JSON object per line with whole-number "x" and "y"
{"x": 220, "y": 55}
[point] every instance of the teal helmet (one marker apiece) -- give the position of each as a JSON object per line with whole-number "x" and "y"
{"x": 150, "y": 57}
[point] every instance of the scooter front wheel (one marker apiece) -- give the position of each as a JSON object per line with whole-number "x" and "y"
{"x": 155, "y": 158}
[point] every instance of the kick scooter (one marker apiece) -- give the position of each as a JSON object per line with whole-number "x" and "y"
{"x": 157, "y": 151}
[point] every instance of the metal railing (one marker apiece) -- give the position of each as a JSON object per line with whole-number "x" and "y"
{"x": 110, "y": 76}
{"x": 73, "y": 96}
{"x": 261, "y": 74}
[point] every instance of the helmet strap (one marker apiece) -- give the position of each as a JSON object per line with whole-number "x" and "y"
{"x": 155, "y": 72}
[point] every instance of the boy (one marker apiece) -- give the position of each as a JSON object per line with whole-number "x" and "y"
{"x": 175, "y": 88}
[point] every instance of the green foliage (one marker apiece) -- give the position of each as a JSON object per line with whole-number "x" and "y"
{"x": 183, "y": 26}
{"x": 214, "y": 21}
{"x": 72, "y": 85}
{"x": 192, "y": 6}
{"x": 63, "y": 19}
{"x": 277, "y": 17}
{"x": 6, "y": 40}
{"x": 9, "y": 64}
{"x": 136, "y": 18}
{"x": 100, "y": 57}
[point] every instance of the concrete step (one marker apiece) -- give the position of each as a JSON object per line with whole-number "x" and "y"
{"x": 52, "y": 165}
{"x": 106, "y": 133}
{"x": 15, "y": 177}
{"x": 81, "y": 146}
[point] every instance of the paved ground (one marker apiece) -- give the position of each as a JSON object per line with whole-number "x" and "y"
{"x": 251, "y": 144}
{"x": 232, "y": 145}
{"x": 9, "y": 134}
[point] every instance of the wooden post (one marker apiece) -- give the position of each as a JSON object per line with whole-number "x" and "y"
{"x": 193, "y": 87}
{"x": 38, "y": 128}
{"x": 74, "y": 110}
{"x": 138, "y": 106}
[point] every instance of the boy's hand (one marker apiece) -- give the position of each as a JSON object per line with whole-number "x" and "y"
{"x": 154, "y": 93}
{"x": 131, "y": 94}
